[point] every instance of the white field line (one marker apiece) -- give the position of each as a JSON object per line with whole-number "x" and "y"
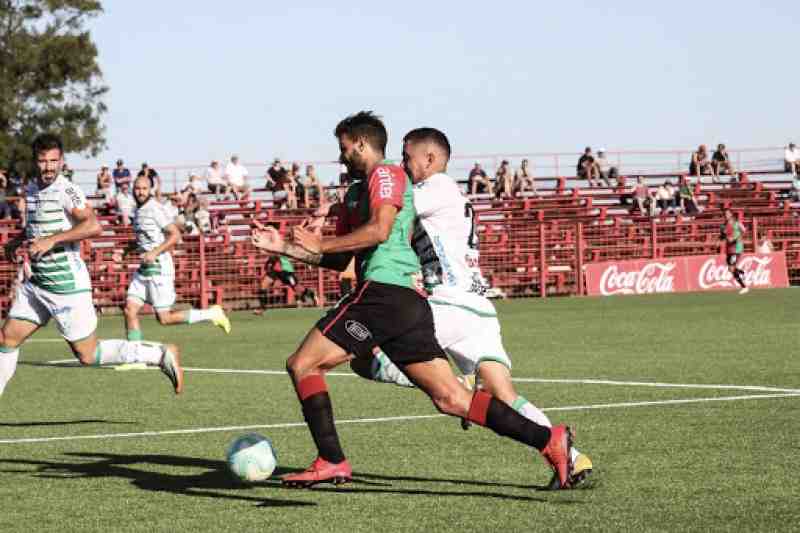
{"x": 377, "y": 420}
{"x": 752, "y": 388}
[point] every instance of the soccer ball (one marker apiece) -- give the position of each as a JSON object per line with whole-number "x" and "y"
{"x": 251, "y": 458}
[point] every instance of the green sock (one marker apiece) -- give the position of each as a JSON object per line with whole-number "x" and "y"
{"x": 135, "y": 335}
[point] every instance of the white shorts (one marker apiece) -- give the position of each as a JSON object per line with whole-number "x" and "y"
{"x": 468, "y": 337}
{"x": 158, "y": 291}
{"x": 74, "y": 313}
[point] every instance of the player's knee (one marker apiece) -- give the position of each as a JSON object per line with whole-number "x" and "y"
{"x": 452, "y": 402}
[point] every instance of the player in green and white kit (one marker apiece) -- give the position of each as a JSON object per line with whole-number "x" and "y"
{"x": 56, "y": 282}
{"x": 154, "y": 282}
{"x": 466, "y": 321}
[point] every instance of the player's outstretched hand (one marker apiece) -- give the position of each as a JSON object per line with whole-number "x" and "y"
{"x": 267, "y": 238}
{"x": 305, "y": 236}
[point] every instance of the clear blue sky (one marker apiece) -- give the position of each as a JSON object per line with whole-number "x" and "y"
{"x": 192, "y": 81}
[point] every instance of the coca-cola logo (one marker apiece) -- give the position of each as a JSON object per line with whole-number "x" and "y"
{"x": 651, "y": 278}
{"x": 714, "y": 273}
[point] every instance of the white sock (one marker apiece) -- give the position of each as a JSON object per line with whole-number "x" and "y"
{"x": 385, "y": 371}
{"x": 8, "y": 364}
{"x": 199, "y": 315}
{"x": 531, "y": 412}
{"x": 118, "y": 351}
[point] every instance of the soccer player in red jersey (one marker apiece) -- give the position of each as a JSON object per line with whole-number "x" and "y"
{"x": 731, "y": 232}
{"x": 386, "y": 309}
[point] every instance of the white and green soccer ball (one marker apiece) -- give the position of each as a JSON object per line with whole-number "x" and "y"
{"x": 251, "y": 458}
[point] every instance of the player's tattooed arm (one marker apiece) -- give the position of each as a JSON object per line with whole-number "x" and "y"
{"x": 268, "y": 238}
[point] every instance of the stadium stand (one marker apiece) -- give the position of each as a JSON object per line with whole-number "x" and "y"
{"x": 534, "y": 245}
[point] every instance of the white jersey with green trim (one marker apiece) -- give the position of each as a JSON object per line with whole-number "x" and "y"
{"x": 49, "y": 211}
{"x": 149, "y": 222}
{"x": 447, "y": 246}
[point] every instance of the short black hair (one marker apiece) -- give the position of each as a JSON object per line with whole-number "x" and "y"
{"x": 364, "y": 125}
{"x": 46, "y": 141}
{"x": 431, "y": 135}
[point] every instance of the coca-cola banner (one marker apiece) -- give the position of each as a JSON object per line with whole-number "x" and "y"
{"x": 685, "y": 273}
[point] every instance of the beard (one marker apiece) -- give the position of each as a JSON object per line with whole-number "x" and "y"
{"x": 356, "y": 168}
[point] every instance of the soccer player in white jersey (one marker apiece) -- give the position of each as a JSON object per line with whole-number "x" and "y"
{"x": 154, "y": 283}
{"x": 465, "y": 320}
{"x": 56, "y": 282}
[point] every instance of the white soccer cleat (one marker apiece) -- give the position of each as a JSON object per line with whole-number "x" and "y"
{"x": 219, "y": 318}
{"x": 171, "y": 366}
{"x": 744, "y": 290}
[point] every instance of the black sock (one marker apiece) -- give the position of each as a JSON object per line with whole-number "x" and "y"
{"x": 737, "y": 274}
{"x": 318, "y": 414}
{"x": 503, "y": 420}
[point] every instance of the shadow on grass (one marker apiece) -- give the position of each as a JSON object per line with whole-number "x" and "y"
{"x": 207, "y": 484}
{"x": 59, "y": 423}
{"x": 216, "y": 478}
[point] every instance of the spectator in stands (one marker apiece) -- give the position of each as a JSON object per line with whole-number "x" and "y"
{"x": 121, "y": 174}
{"x": 236, "y": 176}
{"x": 275, "y": 171}
{"x": 586, "y": 168}
{"x": 478, "y": 181}
{"x": 6, "y": 208}
{"x": 312, "y": 189}
{"x": 796, "y": 188}
{"x": 202, "y": 217}
{"x": 104, "y": 183}
{"x": 173, "y": 207}
{"x": 215, "y": 179}
{"x": 193, "y": 186}
{"x": 124, "y": 202}
{"x": 642, "y": 199}
{"x": 296, "y": 185}
{"x": 686, "y": 195}
{"x": 155, "y": 179}
{"x": 721, "y": 162}
{"x": 284, "y": 193}
{"x": 665, "y": 198}
{"x": 67, "y": 172}
{"x": 504, "y": 180}
{"x": 605, "y": 170}
{"x": 700, "y": 164}
{"x": 791, "y": 159}
{"x": 523, "y": 179}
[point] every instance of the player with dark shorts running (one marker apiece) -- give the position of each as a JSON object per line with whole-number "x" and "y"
{"x": 385, "y": 309}
{"x": 731, "y": 232}
{"x": 280, "y": 269}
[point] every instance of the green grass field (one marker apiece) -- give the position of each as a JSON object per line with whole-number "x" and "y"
{"x": 666, "y": 458}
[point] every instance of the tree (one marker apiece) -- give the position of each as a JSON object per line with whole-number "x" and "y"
{"x": 49, "y": 78}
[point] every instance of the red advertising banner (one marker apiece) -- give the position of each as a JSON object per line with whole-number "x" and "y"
{"x": 683, "y": 274}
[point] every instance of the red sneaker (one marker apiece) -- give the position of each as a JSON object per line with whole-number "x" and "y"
{"x": 556, "y": 453}
{"x": 320, "y": 471}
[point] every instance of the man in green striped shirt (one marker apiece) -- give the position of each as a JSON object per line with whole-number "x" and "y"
{"x": 154, "y": 282}
{"x": 56, "y": 282}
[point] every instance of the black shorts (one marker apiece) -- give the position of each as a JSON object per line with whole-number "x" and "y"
{"x": 287, "y": 278}
{"x": 397, "y": 319}
{"x": 732, "y": 259}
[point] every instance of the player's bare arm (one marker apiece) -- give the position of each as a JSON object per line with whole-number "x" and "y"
{"x": 173, "y": 236}
{"x": 374, "y": 232}
{"x": 269, "y": 239}
{"x": 87, "y": 227}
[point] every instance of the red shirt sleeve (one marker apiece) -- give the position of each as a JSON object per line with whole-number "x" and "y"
{"x": 387, "y": 184}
